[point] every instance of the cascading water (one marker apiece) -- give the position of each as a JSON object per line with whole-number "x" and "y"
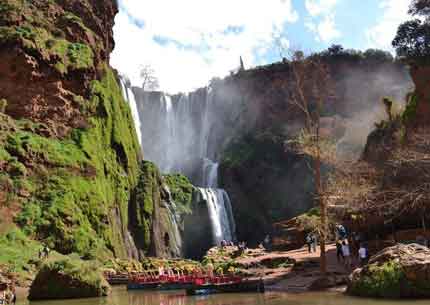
{"x": 177, "y": 239}
{"x": 183, "y": 134}
{"x": 219, "y": 205}
{"x": 129, "y": 97}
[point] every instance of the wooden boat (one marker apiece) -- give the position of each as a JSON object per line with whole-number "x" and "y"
{"x": 227, "y": 287}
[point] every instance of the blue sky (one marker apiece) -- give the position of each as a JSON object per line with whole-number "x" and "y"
{"x": 188, "y": 42}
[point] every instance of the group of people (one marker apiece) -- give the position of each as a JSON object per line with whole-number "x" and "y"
{"x": 311, "y": 242}
{"x": 7, "y": 294}
{"x": 348, "y": 249}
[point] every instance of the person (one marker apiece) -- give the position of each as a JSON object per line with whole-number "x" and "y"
{"x": 362, "y": 255}
{"x": 346, "y": 254}
{"x": 10, "y": 294}
{"x": 309, "y": 242}
{"x": 341, "y": 232}
{"x": 46, "y": 251}
{"x": 314, "y": 242}
{"x": 160, "y": 270}
{"x": 339, "y": 253}
{"x": 266, "y": 242}
{"x": 3, "y": 293}
{"x": 210, "y": 268}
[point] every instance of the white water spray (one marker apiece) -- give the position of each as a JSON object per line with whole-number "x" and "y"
{"x": 130, "y": 98}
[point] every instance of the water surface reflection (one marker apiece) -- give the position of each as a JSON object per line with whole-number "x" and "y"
{"x": 121, "y": 296}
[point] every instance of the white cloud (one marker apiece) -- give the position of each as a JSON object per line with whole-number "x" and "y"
{"x": 381, "y": 34}
{"x": 320, "y": 7}
{"x": 322, "y": 20}
{"x": 198, "y": 44}
{"x": 325, "y": 29}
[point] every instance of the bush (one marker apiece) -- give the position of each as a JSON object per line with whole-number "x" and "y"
{"x": 68, "y": 278}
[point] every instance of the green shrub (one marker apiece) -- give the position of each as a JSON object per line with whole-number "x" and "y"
{"x": 381, "y": 281}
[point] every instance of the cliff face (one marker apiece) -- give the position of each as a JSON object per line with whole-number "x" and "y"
{"x": 266, "y": 180}
{"x": 68, "y": 148}
{"x": 421, "y": 78}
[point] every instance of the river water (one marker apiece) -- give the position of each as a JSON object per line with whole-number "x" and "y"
{"x": 120, "y": 296}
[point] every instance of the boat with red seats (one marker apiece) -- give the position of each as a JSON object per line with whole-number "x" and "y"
{"x": 160, "y": 282}
{"x": 195, "y": 284}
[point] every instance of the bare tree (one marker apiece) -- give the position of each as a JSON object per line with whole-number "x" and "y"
{"x": 309, "y": 89}
{"x": 149, "y": 80}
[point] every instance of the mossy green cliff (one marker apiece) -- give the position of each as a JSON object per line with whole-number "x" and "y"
{"x": 157, "y": 200}
{"x": 69, "y": 155}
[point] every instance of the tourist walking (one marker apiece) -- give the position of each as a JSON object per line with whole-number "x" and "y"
{"x": 346, "y": 254}
{"x": 314, "y": 242}
{"x": 339, "y": 253}
{"x": 362, "y": 255}
{"x": 309, "y": 242}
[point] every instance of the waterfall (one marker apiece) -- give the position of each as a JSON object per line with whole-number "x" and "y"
{"x": 174, "y": 220}
{"x": 130, "y": 98}
{"x": 184, "y": 133}
{"x": 219, "y": 208}
{"x": 219, "y": 205}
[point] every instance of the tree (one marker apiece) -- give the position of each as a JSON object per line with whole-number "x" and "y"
{"x": 413, "y": 40}
{"x": 149, "y": 80}
{"x": 310, "y": 88}
{"x": 335, "y": 49}
{"x": 420, "y": 8}
{"x": 413, "y": 37}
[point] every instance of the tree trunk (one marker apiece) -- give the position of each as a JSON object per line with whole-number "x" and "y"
{"x": 322, "y": 203}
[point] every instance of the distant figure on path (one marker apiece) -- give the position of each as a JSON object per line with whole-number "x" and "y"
{"x": 309, "y": 242}
{"x": 339, "y": 253}
{"x": 267, "y": 243}
{"x": 314, "y": 242}
{"x": 46, "y": 251}
{"x": 362, "y": 255}
{"x": 346, "y": 254}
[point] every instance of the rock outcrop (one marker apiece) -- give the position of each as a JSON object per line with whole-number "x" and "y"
{"x": 68, "y": 149}
{"x": 68, "y": 279}
{"x": 401, "y": 271}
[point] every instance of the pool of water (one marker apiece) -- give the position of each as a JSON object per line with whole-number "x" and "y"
{"x": 120, "y": 296}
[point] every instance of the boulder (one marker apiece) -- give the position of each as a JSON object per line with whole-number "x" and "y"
{"x": 401, "y": 271}
{"x": 67, "y": 279}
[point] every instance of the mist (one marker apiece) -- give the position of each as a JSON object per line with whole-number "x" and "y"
{"x": 364, "y": 92}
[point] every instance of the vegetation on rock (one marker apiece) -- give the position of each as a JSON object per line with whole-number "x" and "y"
{"x": 65, "y": 179}
{"x": 68, "y": 278}
{"x": 395, "y": 272}
{"x": 181, "y": 190}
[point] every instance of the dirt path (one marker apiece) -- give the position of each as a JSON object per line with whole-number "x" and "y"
{"x": 306, "y": 274}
